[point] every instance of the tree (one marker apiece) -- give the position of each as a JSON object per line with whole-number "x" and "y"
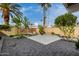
{"x": 9, "y": 9}
{"x": 66, "y": 23}
{"x": 18, "y": 23}
{"x": 45, "y": 7}
{"x": 25, "y": 22}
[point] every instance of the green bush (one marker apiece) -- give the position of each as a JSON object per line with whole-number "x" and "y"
{"x": 41, "y": 29}
{"x": 3, "y": 27}
{"x": 17, "y": 36}
{"x": 20, "y": 37}
{"x": 53, "y": 33}
{"x": 66, "y": 23}
{"x": 77, "y": 44}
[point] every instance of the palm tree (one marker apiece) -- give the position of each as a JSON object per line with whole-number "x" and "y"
{"x": 45, "y": 7}
{"x": 9, "y": 9}
{"x": 18, "y": 23}
{"x": 25, "y": 22}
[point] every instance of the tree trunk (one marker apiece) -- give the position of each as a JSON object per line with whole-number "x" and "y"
{"x": 6, "y": 16}
{"x": 44, "y": 20}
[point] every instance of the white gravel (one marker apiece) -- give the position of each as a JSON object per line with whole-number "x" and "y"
{"x": 45, "y": 39}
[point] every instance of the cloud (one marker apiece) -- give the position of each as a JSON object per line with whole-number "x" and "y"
{"x": 23, "y": 9}
{"x": 38, "y": 10}
{"x": 0, "y": 14}
{"x": 1, "y": 20}
{"x": 29, "y": 8}
{"x": 26, "y": 9}
{"x": 77, "y": 14}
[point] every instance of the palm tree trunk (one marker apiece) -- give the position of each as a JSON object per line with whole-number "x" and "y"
{"x": 6, "y": 16}
{"x": 44, "y": 20}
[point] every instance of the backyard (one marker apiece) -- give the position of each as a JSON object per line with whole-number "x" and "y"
{"x": 22, "y": 35}
{"x": 29, "y": 47}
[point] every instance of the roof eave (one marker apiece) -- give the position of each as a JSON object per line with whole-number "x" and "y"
{"x": 72, "y": 8}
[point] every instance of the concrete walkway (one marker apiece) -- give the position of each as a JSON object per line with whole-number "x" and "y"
{"x": 45, "y": 39}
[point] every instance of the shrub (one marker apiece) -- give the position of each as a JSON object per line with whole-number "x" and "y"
{"x": 55, "y": 34}
{"x": 77, "y": 44}
{"x": 41, "y": 29}
{"x": 12, "y": 35}
{"x": 66, "y": 23}
{"x": 0, "y": 38}
{"x": 4, "y": 27}
{"x": 20, "y": 37}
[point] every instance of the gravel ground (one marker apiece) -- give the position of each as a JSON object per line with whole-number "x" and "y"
{"x": 27, "y": 47}
{"x": 0, "y": 44}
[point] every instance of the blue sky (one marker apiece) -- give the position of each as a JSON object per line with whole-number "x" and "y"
{"x": 34, "y": 12}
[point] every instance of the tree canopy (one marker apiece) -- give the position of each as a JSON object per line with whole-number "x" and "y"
{"x": 67, "y": 19}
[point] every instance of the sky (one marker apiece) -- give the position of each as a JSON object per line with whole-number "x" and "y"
{"x": 34, "y": 12}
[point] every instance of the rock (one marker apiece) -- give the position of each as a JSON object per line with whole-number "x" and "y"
{"x": 4, "y": 54}
{"x": 0, "y": 37}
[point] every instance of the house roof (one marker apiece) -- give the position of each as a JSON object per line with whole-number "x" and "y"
{"x": 72, "y": 7}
